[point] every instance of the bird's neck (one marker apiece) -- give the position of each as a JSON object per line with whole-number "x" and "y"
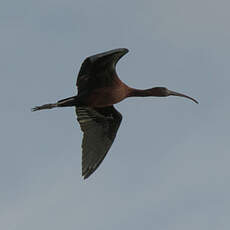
{"x": 142, "y": 93}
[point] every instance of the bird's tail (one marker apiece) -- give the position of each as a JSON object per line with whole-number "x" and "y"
{"x": 46, "y": 106}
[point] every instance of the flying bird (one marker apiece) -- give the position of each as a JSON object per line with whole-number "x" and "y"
{"x": 99, "y": 88}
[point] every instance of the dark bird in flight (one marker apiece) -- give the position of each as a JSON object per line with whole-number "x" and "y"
{"x": 99, "y": 88}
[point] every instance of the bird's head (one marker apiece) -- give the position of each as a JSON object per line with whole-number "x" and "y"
{"x": 164, "y": 92}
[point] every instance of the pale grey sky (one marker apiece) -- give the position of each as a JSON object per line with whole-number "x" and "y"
{"x": 169, "y": 166}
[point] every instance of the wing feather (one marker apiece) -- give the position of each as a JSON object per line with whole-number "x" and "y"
{"x": 99, "y": 128}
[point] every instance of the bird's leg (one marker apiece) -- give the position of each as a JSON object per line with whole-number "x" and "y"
{"x": 46, "y": 106}
{"x": 67, "y": 102}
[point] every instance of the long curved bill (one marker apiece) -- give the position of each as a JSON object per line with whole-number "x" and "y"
{"x": 173, "y": 93}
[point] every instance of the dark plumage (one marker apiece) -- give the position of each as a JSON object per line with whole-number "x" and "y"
{"x": 99, "y": 88}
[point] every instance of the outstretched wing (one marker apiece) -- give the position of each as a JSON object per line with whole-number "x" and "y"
{"x": 93, "y": 75}
{"x": 98, "y": 70}
{"x": 100, "y": 128}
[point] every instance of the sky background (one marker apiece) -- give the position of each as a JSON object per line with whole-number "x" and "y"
{"x": 169, "y": 165}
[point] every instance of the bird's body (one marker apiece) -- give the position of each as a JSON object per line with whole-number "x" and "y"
{"x": 107, "y": 96}
{"x": 99, "y": 88}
